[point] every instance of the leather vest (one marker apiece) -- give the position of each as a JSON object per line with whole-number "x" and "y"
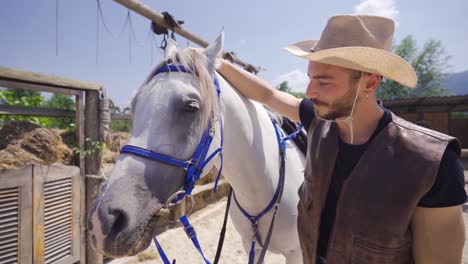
{"x": 376, "y": 203}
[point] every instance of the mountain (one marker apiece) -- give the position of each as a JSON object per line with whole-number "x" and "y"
{"x": 457, "y": 83}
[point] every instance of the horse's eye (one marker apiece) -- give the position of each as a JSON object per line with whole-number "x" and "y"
{"x": 192, "y": 106}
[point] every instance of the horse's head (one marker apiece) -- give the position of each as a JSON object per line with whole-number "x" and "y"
{"x": 170, "y": 114}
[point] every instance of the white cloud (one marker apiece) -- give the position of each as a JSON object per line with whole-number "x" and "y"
{"x": 297, "y": 80}
{"x": 386, "y": 8}
{"x": 243, "y": 42}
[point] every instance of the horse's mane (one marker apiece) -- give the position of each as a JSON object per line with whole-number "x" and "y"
{"x": 195, "y": 61}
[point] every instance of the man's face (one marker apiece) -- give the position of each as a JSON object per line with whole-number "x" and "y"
{"x": 331, "y": 89}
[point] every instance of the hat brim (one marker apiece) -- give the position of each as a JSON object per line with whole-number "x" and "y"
{"x": 364, "y": 59}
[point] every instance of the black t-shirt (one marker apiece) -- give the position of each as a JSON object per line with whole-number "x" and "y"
{"x": 448, "y": 189}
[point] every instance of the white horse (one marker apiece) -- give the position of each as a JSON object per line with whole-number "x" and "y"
{"x": 170, "y": 113}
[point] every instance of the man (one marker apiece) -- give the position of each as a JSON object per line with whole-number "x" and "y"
{"x": 377, "y": 188}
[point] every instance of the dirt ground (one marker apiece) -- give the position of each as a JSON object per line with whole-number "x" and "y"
{"x": 207, "y": 223}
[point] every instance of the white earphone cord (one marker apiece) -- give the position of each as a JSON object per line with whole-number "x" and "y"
{"x": 349, "y": 119}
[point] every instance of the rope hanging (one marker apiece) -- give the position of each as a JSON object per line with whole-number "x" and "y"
{"x": 56, "y": 27}
{"x": 100, "y": 18}
{"x": 132, "y": 32}
{"x": 170, "y": 22}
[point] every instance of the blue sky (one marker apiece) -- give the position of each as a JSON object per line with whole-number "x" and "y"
{"x": 256, "y": 30}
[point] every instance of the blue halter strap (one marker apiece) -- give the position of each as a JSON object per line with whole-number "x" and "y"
{"x": 193, "y": 167}
{"x": 274, "y": 203}
{"x": 197, "y": 163}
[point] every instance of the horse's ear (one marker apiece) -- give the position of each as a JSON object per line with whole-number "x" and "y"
{"x": 213, "y": 51}
{"x": 171, "y": 48}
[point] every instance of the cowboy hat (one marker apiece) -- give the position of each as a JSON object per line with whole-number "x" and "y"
{"x": 358, "y": 42}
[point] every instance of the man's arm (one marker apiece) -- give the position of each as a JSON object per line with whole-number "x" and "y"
{"x": 438, "y": 235}
{"x": 256, "y": 89}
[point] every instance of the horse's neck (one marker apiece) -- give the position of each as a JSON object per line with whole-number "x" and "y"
{"x": 250, "y": 150}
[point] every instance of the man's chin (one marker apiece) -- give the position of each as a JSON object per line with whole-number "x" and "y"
{"x": 322, "y": 114}
{"x": 331, "y": 116}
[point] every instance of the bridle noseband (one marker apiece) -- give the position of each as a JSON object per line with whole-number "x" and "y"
{"x": 194, "y": 166}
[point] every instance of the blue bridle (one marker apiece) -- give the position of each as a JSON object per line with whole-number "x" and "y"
{"x": 193, "y": 167}
{"x": 197, "y": 163}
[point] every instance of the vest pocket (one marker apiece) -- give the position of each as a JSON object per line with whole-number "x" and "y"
{"x": 366, "y": 252}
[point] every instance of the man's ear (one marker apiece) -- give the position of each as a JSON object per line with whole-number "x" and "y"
{"x": 372, "y": 82}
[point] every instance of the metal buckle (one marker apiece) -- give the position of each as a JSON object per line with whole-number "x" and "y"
{"x": 189, "y": 162}
{"x": 253, "y": 221}
{"x": 190, "y": 231}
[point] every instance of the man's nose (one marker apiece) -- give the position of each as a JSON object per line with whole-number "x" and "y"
{"x": 311, "y": 91}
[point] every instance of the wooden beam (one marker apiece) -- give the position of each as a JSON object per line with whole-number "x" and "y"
{"x": 15, "y": 84}
{"x": 158, "y": 18}
{"x": 37, "y": 78}
{"x": 35, "y": 111}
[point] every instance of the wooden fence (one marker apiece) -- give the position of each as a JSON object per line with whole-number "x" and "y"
{"x": 87, "y": 121}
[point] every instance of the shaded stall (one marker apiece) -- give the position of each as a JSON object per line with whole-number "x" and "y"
{"x": 448, "y": 114}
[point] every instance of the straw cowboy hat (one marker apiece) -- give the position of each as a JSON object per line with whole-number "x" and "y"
{"x": 358, "y": 42}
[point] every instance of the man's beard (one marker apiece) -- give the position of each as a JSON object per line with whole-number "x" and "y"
{"x": 340, "y": 108}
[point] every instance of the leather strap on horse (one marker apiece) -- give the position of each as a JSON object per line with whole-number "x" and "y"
{"x": 274, "y": 203}
{"x": 278, "y": 200}
{"x": 223, "y": 229}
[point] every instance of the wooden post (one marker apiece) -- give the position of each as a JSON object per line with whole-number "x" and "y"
{"x": 93, "y": 164}
{"x": 80, "y": 144}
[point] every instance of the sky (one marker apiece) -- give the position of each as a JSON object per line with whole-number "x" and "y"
{"x": 79, "y": 47}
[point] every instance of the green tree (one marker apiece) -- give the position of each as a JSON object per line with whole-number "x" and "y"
{"x": 16, "y": 97}
{"x": 63, "y": 102}
{"x": 429, "y": 65}
{"x": 284, "y": 86}
{"x": 120, "y": 125}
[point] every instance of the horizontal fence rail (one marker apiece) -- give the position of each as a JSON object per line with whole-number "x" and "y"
{"x": 121, "y": 117}
{"x": 35, "y": 111}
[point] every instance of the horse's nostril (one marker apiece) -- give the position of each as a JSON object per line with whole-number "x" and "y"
{"x": 120, "y": 221}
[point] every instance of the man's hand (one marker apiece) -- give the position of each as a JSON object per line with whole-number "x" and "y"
{"x": 438, "y": 235}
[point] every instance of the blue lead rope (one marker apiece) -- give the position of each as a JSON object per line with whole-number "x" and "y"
{"x": 190, "y": 231}
{"x": 161, "y": 252}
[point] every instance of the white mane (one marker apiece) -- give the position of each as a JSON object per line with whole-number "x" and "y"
{"x": 196, "y": 62}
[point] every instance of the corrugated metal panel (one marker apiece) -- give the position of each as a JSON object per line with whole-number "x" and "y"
{"x": 9, "y": 225}
{"x": 57, "y": 220}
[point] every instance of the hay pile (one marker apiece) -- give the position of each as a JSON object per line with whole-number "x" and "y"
{"x": 116, "y": 142}
{"x": 24, "y": 142}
